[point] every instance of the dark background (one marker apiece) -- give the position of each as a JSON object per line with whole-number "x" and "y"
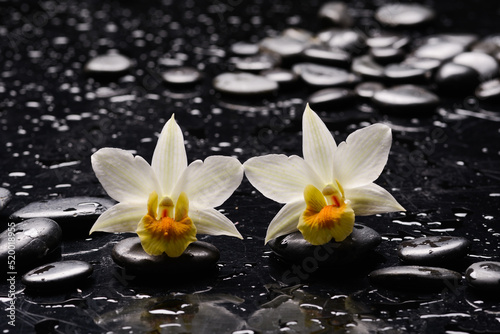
{"x": 443, "y": 168}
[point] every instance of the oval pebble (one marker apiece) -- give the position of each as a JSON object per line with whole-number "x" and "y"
{"x": 198, "y": 257}
{"x": 244, "y": 48}
{"x": 320, "y": 75}
{"x": 385, "y": 39}
{"x": 36, "y": 241}
{"x": 414, "y": 277}
{"x": 489, "y": 91}
{"x": 484, "y": 64}
{"x": 453, "y": 78}
{"x": 408, "y": 99}
{"x": 349, "y": 40}
{"x": 441, "y": 51}
{"x": 404, "y": 14}
{"x": 259, "y": 62}
{"x": 295, "y": 249}
{"x": 58, "y": 275}
{"x": 111, "y": 63}
{"x": 386, "y": 55}
{"x": 327, "y": 56}
{"x": 283, "y": 45}
{"x": 330, "y": 97}
{"x": 244, "y": 84}
{"x": 5, "y": 197}
{"x": 434, "y": 250}
{"x": 405, "y": 73}
{"x": 336, "y": 13}
{"x": 181, "y": 76}
{"x": 280, "y": 75}
{"x": 484, "y": 275}
{"x": 367, "y": 67}
{"x": 368, "y": 89}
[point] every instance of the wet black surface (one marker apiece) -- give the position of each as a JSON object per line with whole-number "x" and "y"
{"x": 443, "y": 168}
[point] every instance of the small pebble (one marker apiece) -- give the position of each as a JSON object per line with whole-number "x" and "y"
{"x": 244, "y": 49}
{"x": 345, "y": 39}
{"x": 484, "y": 64}
{"x": 404, "y": 14}
{"x": 35, "y": 241}
{"x": 244, "y": 84}
{"x": 295, "y": 249}
{"x": 283, "y": 46}
{"x": 405, "y": 73}
{"x": 198, "y": 257}
{"x": 452, "y": 78}
{"x": 414, "y": 278}
{"x": 424, "y": 63}
{"x": 367, "y": 67}
{"x": 441, "y": 51}
{"x": 434, "y": 250}
{"x": 336, "y": 13}
{"x": 490, "y": 45}
{"x": 368, "y": 89}
{"x": 259, "y": 62}
{"x": 298, "y": 34}
{"x": 111, "y": 63}
{"x": 385, "y": 39}
{"x": 181, "y": 76}
{"x": 58, "y": 275}
{"x": 324, "y": 55}
{"x": 5, "y": 197}
{"x": 484, "y": 276}
{"x": 406, "y": 99}
{"x": 489, "y": 91}
{"x": 387, "y": 55}
{"x": 330, "y": 98}
{"x": 320, "y": 75}
{"x": 281, "y": 76}
{"x": 461, "y": 38}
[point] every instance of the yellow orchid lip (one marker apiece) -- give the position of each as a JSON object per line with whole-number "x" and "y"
{"x": 165, "y": 229}
{"x": 327, "y": 215}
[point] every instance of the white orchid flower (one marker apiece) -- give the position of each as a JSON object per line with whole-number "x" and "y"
{"x": 326, "y": 189}
{"x": 168, "y": 202}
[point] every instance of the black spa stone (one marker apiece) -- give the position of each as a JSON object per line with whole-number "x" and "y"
{"x": 406, "y": 99}
{"x": 452, "y": 78}
{"x": 414, "y": 278}
{"x": 434, "y": 250}
{"x": 368, "y": 88}
{"x": 108, "y": 64}
{"x": 295, "y": 249}
{"x": 280, "y": 75}
{"x": 198, "y": 257}
{"x": 330, "y": 97}
{"x": 255, "y": 63}
{"x": 181, "y": 76}
{"x": 387, "y": 55}
{"x": 352, "y": 41}
{"x": 327, "y": 56}
{"x": 244, "y": 84}
{"x": 58, "y": 275}
{"x": 36, "y": 241}
{"x": 484, "y": 276}
{"x": 244, "y": 48}
{"x": 440, "y": 51}
{"x": 323, "y": 76}
{"x": 489, "y": 91}
{"x": 484, "y": 64}
{"x": 5, "y": 197}
{"x": 283, "y": 46}
{"x": 404, "y": 73}
{"x": 400, "y": 14}
{"x": 336, "y": 13}
{"x": 368, "y": 68}
{"x": 70, "y": 210}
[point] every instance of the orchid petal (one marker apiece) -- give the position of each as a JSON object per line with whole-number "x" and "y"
{"x": 169, "y": 158}
{"x": 362, "y": 157}
{"x": 211, "y": 221}
{"x": 286, "y": 220}
{"x": 371, "y": 199}
{"x": 318, "y": 145}
{"x": 124, "y": 177}
{"x": 121, "y": 217}
{"x": 281, "y": 178}
{"x": 208, "y": 184}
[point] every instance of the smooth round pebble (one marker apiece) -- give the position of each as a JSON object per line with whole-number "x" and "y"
{"x": 58, "y": 275}
{"x": 434, "y": 250}
{"x": 36, "y": 240}
{"x": 244, "y": 84}
{"x": 5, "y": 197}
{"x": 345, "y": 39}
{"x": 384, "y": 39}
{"x": 111, "y": 63}
{"x": 330, "y": 97}
{"x": 489, "y": 44}
{"x": 244, "y": 48}
{"x": 404, "y": 14}
{"x": 367, "y": 67}
{"x": 489, "y": 90}
{"x": 320, "y": 75}
{"x": 283, "y": 45}
{"x": 259, "y": 62}
{"x": 405, "y": 73}
{"x": 403, "y": 99}
{"x": 456, "y": 79}
{"x": 484, "y": 276}
{"x": 198, "y": 257}
{"x": 295, "y": 249}
{"x": 337, "y": 13}
{"x": 484, "y": 64}
{"x": 414, "y": 277}
{"x": 387, "y": 55}
{"x": 465, "y": 39}
{"x": 368, "y": 89}
{"x": 181, "y": 76}
{"x": 424, "y": 63}
{"x": 440, "y": 51}
{"x": 280, "y": 75}
{"x": 323, "y": 55}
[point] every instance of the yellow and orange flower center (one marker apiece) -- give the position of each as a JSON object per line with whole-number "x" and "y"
{"x": 327, "y": 215}
{"x": 165, "y": 229}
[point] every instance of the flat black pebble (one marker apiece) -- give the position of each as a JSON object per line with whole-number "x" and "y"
{"x": 434, "y": 250}
{"x": 336, "y": 12}
{"x": 58, "y": 275}
{"x": 367, "y": 67}
{"x": 404, "y": 73}
{"x": 5, "y": 197}
{"x": 387, "y": 55}
{"x": 328, "y": 56}
{"x": 244, "y": 48}
{"x": 349, "y": 40}
{"x": 384, "y": 39}
{"x": 36, "y": 241}
{"x": 406, "y": 99}
{"x": 484, "y": 276}
{"x": 283, "y": 46}
{"x": 323, "y": 76}
{"x": 181, "y": 76}
{"x": 330, "y": 97}
{"x": 280, "y": 75}
{"x": 484, "y": 64}
{"x": 453, "y": 78}
{"x": 76, "y": 210}
{"x": 198, "y": 257}
{"x": 256, "y": 63}
{"x": 244, "y": 84}
{"x": 404, "y": 14}
{"x": 489, "y": 91}
{"x": 441, "y": 51}
{"x": 414, "y": 277}
{"x": 295, "y": 249}
{"x": 368, "y": 89}
{"x": 111, "y": 63}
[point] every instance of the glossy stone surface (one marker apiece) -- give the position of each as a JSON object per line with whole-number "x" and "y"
{"x": 336, "y": 12}
{"x": 484, "y": 64}
{"x": 484, "y": 276}
{"x": 111, "y": 63}
{"x": 403, "y": 14}
{"x": 244, "y": 48}
{"x": 283, "y": 45}
{"x": 329, "y": 98}
{"x": 324, "y": 55}
{"x": 405, "y": 73}
{"x": 256, "y": 63}
{"x": 181, "y": 76}
{"x": 197, "y": 258}
{"x": 441, "y": 51}
{"x": 387, "y": 55}
{"x": 368, "y": 89}
{"x": 414, "y": 277}
{"x": 35, "y": 241}
{"x": 406, "y": 98}
{"x": 244, "y": 84}
{"x": 367, "y": 67}
{"x": 319, "y": 75}
{"x": 5, "y": 197}
{"x": 281, "y": 76}
{"x": 434, "y": 250}
{"x": 345, "y": 39}
{"x": 489, "y": 90}
{"x": 456, "y": 79}
{"x": 295, "y": 249}
{"x": 58, "y": 275}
